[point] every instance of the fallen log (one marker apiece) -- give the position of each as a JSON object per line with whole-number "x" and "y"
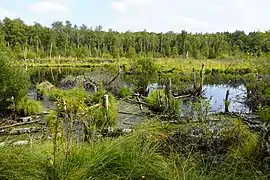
{"x": 24, "y": 130}
{"x": 128, "y": 113}
{"x": 183, "y": 96}
{"x": 19, "y": 124}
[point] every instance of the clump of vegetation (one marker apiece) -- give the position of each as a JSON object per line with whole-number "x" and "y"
{"x": 124, "y": 92}
{"x": 13, "y": 82}
{"x": 28, "y": 107}
{"x": 144, "y": 72}
{"x": 244, "y": 143}
{"x": 157, "y": 100}
{"x": 45, "y": 87}
{"x": 100, "y": 117}
{"x": 201, "y": 108}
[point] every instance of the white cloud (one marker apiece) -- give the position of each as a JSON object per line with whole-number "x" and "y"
{"x": 122, "y": 5}
{"x": 119, "y": 6}
{"x": 47, "y": 6}
{"x": 6, "y": 13}
{"x": 192, "y": 15}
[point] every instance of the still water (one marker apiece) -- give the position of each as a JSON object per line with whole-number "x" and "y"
{"x": 216, "y": 96}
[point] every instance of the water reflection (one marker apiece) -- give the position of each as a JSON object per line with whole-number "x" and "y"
{"x": 216, "y": 95}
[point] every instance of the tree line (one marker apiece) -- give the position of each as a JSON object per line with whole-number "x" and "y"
{"x": 68, "y": 40}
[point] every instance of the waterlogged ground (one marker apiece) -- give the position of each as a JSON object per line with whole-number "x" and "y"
{"x": 214, "y": 93}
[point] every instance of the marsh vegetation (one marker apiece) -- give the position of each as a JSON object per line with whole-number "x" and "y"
{"x": 164, "y": 106}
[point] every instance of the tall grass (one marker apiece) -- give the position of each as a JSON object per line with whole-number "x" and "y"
{"x": 28, "y": 107}
{"x": 136, "y": 156}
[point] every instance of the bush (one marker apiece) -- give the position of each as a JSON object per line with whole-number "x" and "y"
{"x": 144, "y": 73}
{"x": 99, "y": 117}
{"x": 14, "y": 82}
{"x": 124, "y": 92}
{"x": 157, "y": 100}
{"x": 28, "y": 107}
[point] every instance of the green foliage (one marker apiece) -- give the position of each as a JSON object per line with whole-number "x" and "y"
{"x": 264, "y": 113}
{"x": 28, "y": 107}
{"x": 99, "y": 117}
{"x": 124, "y": 92}
{"x": 144, "y": 73}
{"x": 24, "y": 163}
{"x": 244, "y": 143}
{"x": 70, "y": 40}
{"x": 201, "y": 108}
{"x": 135, "y": 156}
{"x": 45, "y": 87}
{"x": 157, "y": 100}
{"x": 51, "y": 121}
{"x": 131, "y": 52}
{"x": 13, "y": 82}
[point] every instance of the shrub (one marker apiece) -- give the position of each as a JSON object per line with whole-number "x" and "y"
{"x": 99, "y": 117}
{"x": 14, "y": 82}
{"x": 28, "y": 107}
{"x": 145, "y": 72}
{"x": 124, "y": 92}
{"x": 157, "y": 100}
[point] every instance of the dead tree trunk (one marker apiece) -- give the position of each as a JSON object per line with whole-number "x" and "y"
{"x": 59, "y": 65}
{"x": 194, "y": 79}
{"x": 51, "y": 51}
{"x": 106, "y": 102}
{"x": 226, "y": 102}
{"x": 202, "y": 78}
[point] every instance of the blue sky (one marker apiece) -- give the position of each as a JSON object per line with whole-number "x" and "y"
{"x": 153, "y": 15}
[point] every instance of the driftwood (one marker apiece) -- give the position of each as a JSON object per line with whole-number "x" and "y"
{"x": 24, "y": 130}
{"x": 20, "y": 124}
{"x": 183, "y": 96}
{"x": 114, "y": 77}
{"x": 129, "y": 113}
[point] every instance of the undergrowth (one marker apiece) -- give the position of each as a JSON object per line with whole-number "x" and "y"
{"x": 28, "y": 107}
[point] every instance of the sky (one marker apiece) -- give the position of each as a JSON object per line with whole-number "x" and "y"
{"x": 152, "y": 15}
